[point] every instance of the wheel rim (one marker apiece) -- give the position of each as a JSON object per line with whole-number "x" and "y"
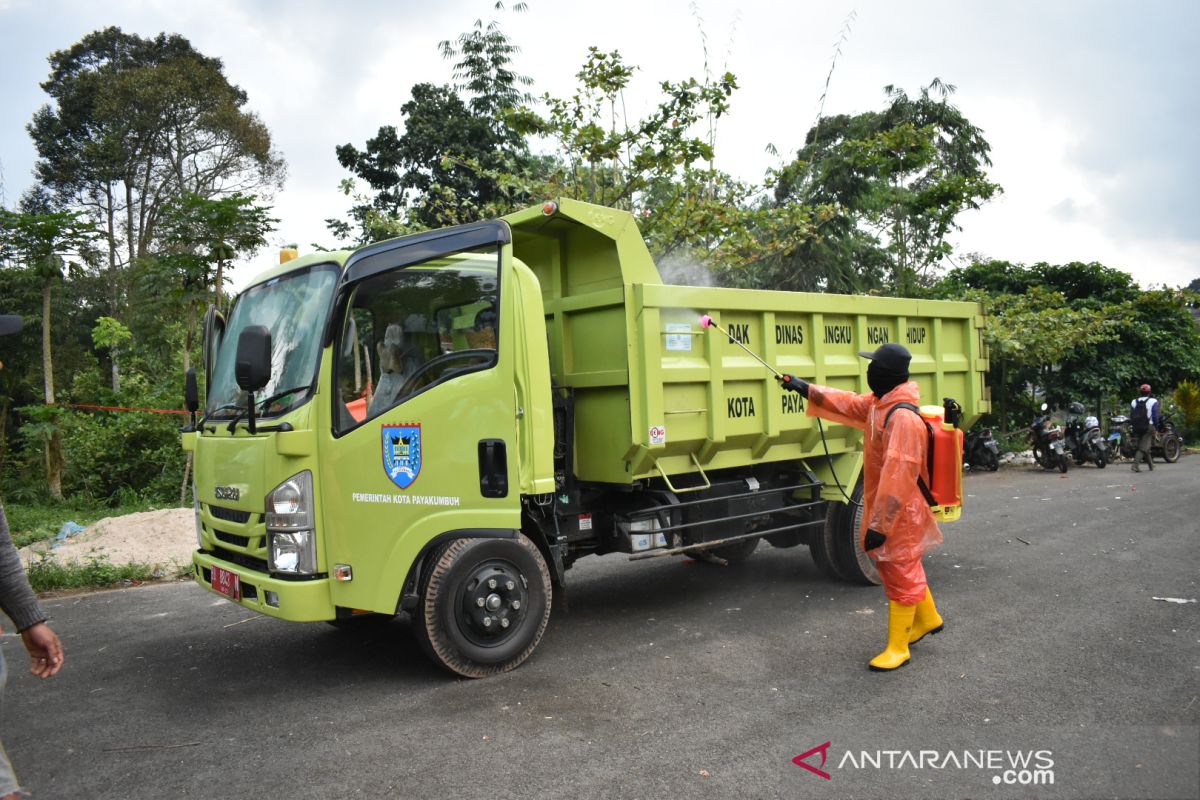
{"x": 493, "y": 603}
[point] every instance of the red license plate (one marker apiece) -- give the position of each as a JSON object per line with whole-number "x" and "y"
{"x": 226, "y": 583}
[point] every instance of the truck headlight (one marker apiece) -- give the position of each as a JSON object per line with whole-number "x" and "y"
{"x": 293, "y": 552}
{"x": 289, "y": 506}
{"x": 289, "y": 517}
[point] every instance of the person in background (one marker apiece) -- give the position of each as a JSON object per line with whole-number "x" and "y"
{"x": 898, "y": 526}
{"x": 1144, "y": 419}
{"x": 21, "y": 605}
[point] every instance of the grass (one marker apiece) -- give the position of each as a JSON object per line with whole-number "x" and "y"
{"x": 48, "y": 575}
{"x": 37, "y": 522}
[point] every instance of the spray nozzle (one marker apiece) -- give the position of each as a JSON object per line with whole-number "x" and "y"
{"x": 705, "y": 321}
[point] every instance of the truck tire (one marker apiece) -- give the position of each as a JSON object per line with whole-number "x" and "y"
{"x": 855, "y": 564}
{"x": 484, "y": 605}
{"x": 822, "y": 547}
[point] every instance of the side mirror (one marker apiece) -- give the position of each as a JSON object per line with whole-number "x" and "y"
{"x": 191, "y": 392}
{"x": 252, "y": 368}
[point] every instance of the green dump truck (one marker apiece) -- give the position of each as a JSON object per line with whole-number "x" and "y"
{"x": 444, "y": 423}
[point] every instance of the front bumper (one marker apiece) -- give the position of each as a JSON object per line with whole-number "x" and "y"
{"x": 299, "y": 601}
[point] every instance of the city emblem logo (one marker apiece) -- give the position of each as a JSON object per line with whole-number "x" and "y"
{"x": 402, "y": 453}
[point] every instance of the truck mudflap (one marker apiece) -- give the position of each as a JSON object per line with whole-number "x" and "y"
{"x": 292, "y": 600}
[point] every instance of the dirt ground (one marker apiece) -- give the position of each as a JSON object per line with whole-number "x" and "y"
{"x": 163, "y": 538}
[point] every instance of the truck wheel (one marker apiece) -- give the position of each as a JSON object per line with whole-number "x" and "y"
{"x": 823, "y": 547}
{"x": 855, "y": 564}
{"x": 484, "y": 605}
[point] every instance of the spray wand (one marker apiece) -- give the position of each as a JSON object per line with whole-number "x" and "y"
{"x": 706, "y": 321}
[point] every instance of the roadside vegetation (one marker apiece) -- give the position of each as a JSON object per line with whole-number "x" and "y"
{"x": 48, "y": 575}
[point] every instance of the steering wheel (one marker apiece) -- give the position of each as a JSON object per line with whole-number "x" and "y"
{"x": 419, "y": 377}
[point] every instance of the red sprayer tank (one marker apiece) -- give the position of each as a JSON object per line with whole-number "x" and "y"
{"x": 945, "y": 480}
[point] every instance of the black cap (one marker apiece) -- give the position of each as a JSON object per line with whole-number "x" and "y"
{"x": 890, "y": 357}
{"x": 10, "y": 323}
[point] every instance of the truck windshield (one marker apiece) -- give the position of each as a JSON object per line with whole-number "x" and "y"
{"x": 293, "y": 307}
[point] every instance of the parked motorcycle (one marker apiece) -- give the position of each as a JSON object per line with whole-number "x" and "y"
{"x": 1084, "y": 441}
{"x": 1167, "y": 441}
{"x": 1049, "y": 450}
{"x": 980, "y": 449}
{"x": 1120, "y": 439}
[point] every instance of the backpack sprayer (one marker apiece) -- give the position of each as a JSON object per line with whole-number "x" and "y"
{"x": 944, "y": 492}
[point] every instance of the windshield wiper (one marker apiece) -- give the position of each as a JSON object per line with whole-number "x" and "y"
{"x": 264, "y": 402}
{"x": 208, "y": 415}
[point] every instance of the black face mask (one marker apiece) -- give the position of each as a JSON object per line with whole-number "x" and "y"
{"x": 882, "y": 381}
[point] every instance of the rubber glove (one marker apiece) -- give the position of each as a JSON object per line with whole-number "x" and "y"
{"x": 794, "y": 384}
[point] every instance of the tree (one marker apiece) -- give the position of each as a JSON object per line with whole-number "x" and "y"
{"x": 135, "y": 122}
{"x": 655, "y": 167}
{"x": 415, "y": 185}
{"x": 200, "y": 237}
{"x": 38, "y": 237}
{"x": 898, "y": 179}
{"x": 1080, "y": 331}
{"x": 441, "y": 170}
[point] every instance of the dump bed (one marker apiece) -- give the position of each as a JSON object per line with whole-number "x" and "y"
{"x": 655, "y": 393}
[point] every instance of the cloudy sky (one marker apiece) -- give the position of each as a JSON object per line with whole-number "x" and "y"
{"x": 1091, "y": 108}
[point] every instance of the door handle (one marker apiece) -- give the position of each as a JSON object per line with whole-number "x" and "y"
{"x": 493, "y": 468}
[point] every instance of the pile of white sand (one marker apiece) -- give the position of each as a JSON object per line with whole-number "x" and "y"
{"x": 164, "y": 539}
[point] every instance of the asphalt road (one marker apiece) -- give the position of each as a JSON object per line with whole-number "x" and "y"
{"x": 670, "y": 679}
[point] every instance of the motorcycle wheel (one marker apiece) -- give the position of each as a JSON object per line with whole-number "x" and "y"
{"x": 1062, "y": 462}
{"x": 1101, "y": 461}
{"x": 1170, "y": 448}
{"x": 993, "y": 462}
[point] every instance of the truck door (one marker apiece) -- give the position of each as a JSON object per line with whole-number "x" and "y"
{"x": 421, "y": 440}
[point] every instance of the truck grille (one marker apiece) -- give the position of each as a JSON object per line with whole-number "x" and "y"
{"x": 229, "y": 514}
{"x": 232, "y": 538}
{"x": 241, "y": 559}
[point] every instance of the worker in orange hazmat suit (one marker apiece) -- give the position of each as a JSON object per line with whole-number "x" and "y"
{"x": 898, "y": 526}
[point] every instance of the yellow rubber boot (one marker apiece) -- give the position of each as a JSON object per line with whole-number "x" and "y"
{"x": 900, "y": 620}
{"x": 927, "y": 620}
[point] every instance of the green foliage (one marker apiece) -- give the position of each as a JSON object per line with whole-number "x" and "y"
{"x": 146, "y": 148}
{"x": 898, "y": 180}
{"x": 38, "y": 240}
{"x": 421, "y": 178}
{"x": 109, "y": 333}
{"x": 1037, "y": 329}
{"x": 443, "y": 170}
{"x": 1077, "y": 332}
{"x": 1187, "y": 397}
{"x": 48, "y": 575}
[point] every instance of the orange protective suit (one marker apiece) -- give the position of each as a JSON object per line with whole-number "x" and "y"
{"x": 892, "y": 503}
